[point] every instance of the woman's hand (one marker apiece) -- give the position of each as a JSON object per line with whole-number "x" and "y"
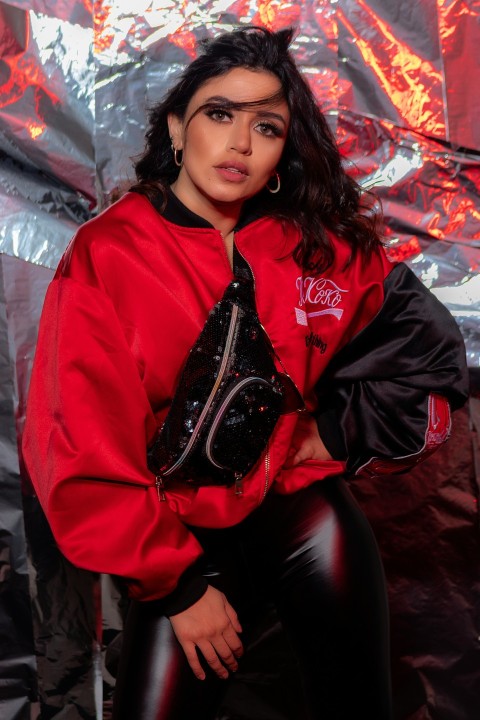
{"x": 211, "y": 626}
{"x": 306, "y": 442}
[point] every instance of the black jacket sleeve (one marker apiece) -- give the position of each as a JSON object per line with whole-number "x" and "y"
{"x": 375, "y": 398}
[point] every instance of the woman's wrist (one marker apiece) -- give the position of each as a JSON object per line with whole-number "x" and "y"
{"x": 191, "y": 586}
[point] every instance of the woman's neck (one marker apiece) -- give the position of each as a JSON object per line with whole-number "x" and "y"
{"x": 223, "y": 216}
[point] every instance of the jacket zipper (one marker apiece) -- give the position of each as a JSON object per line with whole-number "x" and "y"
{"x": 158, "y": 485}
{"x": 221, "y": 373}
{"x": 239, "y": 477}
{"x": 267, "y": 335}
{"x": 245, "y": 259}
{"x": 267, "y": 471}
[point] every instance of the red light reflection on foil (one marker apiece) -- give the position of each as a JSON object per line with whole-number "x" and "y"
{"x": 240, "y": 9}
{"x": 404, "y": 76}
{"x": 101, "y": 23}
{"x": 35, "y": 129}
{"x": 274, "y": 14}
{"x": 186, "y": 40}
{"x": 25, "y": 74}
{"x": 449, "y": 13}
{"x": 399, "y": 253}
{"x": 459, "y": 212}
{"x": 88, "y": 5}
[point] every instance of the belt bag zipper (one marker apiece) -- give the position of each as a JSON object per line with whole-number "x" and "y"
{"x": 221, "y": 411}
{"x": 204, "y": 413}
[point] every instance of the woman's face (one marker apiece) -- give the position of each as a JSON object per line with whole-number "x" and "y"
{"x": 229, "y": 155}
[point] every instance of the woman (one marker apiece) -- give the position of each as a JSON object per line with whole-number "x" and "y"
{"x": 239, "y": 162}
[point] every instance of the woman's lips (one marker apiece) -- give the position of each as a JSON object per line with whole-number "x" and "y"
{"x": 232, "y": 172}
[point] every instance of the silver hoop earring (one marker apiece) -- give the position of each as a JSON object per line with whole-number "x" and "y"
{"x": 175, "y": 157}
{"x": 274, "y": 190}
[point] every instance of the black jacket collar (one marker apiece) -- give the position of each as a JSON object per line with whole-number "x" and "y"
{"x": 173, "y": 210}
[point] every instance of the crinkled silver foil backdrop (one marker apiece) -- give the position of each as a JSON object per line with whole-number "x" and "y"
{"x": 398, "y": 80}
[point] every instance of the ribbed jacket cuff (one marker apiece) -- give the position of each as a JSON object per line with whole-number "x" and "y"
{"x": 191, "y": 587}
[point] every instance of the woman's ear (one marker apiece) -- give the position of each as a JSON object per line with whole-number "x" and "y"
{"x": 175, "y": 130}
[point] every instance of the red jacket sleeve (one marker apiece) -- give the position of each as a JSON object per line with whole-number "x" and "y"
{"x": 84, "y": 444}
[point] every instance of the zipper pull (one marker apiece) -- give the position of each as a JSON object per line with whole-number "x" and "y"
{"x": 159, "y": 484}
{"x": 267, "y": 470}
{"x": 238, "y": 484}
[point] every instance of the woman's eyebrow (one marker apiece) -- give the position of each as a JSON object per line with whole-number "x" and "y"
{"x": 254, "y": 104}
{"x": 272, "y": 115}
{"x": 219, "y": 99}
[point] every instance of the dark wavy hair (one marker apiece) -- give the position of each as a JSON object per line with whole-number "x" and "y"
{"x": 316, "y": 194}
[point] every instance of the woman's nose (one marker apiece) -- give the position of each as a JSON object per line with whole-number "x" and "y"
{"x": 240, "y": 137}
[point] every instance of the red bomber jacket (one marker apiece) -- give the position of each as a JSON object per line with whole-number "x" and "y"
{"x": 129, "y": 299}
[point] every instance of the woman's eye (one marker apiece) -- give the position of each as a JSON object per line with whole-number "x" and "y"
{"x": 268, "y": 129}
{"x": 219, "y": 115}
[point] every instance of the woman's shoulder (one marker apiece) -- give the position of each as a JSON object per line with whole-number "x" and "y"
{"x": 124, "y": 224}
{"x": 128, "y": 214}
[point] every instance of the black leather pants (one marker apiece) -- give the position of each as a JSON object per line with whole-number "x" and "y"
{"x": 313, "y": 556}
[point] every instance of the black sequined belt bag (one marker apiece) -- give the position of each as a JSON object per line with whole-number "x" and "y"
{"x": 229, "y": 398}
